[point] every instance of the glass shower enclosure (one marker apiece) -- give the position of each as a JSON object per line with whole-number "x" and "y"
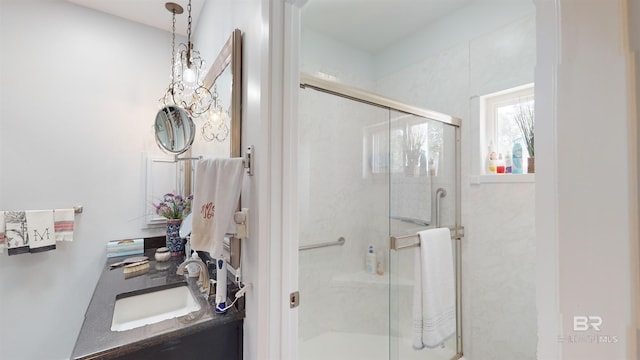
{"x": 372, "y": 173}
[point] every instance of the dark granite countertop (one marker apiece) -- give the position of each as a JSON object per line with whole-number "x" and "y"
{"x": 96, "y": 340}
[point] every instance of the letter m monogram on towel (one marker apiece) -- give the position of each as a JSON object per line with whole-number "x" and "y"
{"x": 41, "y": 237}
{"x": 208, "y": 210}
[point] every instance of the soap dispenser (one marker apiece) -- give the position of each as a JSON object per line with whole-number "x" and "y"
{"x": 194, "y": 269}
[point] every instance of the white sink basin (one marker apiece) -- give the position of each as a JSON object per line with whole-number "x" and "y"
{"x": 134, "y": 311}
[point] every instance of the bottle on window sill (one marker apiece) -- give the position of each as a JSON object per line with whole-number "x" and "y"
{"x": 500, "y": 164}
{"x": 507, "y": 163}
{"x": 517, "y": 158}
{"x": 491, "y": 159}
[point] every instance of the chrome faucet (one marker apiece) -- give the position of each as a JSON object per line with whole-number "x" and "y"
{"x": 204, "y": 274}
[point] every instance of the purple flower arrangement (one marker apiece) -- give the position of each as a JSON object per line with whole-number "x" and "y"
{"x": 174, "y": 206}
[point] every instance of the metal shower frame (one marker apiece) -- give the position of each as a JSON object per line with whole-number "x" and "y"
{"x": 367, "y": 97}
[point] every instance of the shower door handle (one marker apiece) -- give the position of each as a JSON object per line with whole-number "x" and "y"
{"x": 440, "y": 193}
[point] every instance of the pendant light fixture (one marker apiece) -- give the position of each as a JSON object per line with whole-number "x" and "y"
{"x": 215, "y": 127}
{"x": 186, "y": 89}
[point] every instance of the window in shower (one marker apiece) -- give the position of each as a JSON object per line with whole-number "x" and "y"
{"x": 408, "y": 144}
{"x": 501, "y": 113}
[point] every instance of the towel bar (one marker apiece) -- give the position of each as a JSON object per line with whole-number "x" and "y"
{"x": 457, "y": 233}
{"x": 247, "y": 160}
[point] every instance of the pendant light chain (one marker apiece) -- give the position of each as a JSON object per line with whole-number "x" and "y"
{"x": 173, "y": 48}
{"x": 189, "y": 25}
{"x": 189, "y": 45}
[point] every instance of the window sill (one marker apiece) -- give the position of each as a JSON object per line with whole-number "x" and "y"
{"x": 503, "y": 179}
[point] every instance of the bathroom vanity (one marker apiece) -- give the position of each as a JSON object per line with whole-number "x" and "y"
{"x": 199, "y": 332}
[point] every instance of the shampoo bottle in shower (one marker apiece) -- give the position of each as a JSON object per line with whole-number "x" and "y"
{"x": 370, "y": 261}
{"x": 380, "y": 263}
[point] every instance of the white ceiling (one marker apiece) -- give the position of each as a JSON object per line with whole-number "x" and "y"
{"x": 149, "y": 12}
{"x": 373, "y": 25}
{"x": 370, "y": 25}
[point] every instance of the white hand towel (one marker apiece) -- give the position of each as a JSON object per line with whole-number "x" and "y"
{"x": 3, "y": 245}
{"x": 40, "y": 227}
{"x": 16, "y": 232}
{"x": 64, "y": 223}
{"x": 217, "y": 190}
{"x": 434, "y": 298}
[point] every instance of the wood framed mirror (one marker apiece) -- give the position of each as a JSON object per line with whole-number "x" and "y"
{"x": 225, "y": 79}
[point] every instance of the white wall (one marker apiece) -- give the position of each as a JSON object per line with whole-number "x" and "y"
{"x": 589, "y": 235}
{"x": 79, "y": 95}
{"x": 321, "y": 55}
{"x": 480, "y": 17}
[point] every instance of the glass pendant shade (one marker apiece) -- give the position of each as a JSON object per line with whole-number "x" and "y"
{"x": 215, "y": 127}
{"x": 187, "y": 89}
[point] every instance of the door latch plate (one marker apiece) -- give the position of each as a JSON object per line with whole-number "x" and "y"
{"x": 294, "y": 299}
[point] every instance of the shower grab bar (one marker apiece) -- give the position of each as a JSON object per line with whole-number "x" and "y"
{"x": 457, "y": 233}
{"x": 338, "y": 242}
{"x": 440, "y": 193}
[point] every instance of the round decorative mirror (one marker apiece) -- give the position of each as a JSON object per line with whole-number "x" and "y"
{"x": 175, "y": 130}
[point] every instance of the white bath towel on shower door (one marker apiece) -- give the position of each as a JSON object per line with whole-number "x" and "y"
{"x": 434, "y": 298}
{"x": 215, "y": 199}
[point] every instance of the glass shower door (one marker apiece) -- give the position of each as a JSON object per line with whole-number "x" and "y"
{"x": 343, "y": 194}
{"x": 422, "y": 195}
{"x": 367, "y": 173}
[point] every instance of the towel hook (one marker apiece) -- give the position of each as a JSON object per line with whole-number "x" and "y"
{"x": 248, "y": 160}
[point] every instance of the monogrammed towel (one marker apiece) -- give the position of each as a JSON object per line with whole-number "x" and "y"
{"x": 215, "y": 199}
{"x": 41, "y": 230}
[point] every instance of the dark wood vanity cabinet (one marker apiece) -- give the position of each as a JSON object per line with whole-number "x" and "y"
{"x": 222, "y": 342}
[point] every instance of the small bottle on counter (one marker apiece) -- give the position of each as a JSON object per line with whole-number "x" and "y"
{"x": 507, "y": 163}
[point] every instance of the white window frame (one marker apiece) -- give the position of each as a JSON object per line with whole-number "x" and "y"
{"x": 489, "y": 104}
